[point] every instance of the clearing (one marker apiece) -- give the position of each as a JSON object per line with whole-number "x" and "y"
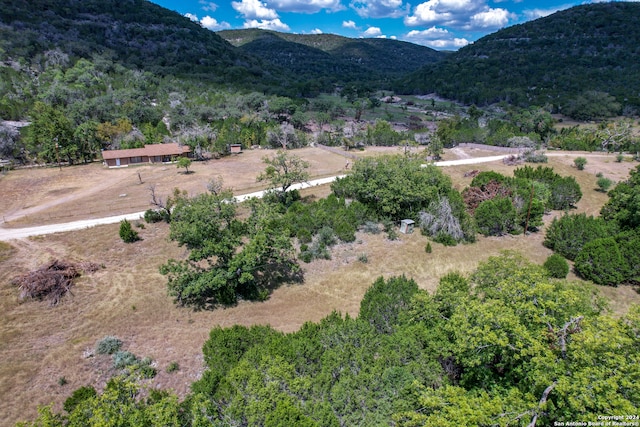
{"x": 40, "y": 345}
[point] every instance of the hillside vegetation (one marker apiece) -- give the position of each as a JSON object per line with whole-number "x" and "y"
{"x": 550, "y": 61}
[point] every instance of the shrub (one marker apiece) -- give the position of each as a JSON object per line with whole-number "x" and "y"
{"x": 496, "y": 217}
{"x": 532, "y": 156}
{"x": 124, "y": 359}
{"x": 601, "y": 262}
{"x": 557, "y": 266}
{"x": 79, "y": 396}
{"x": 371, "y": 227}
{"x": 383, "y": 302}
{"x": 604, "y": 184}
{"x": 580, "y": 163}
{"x": 620, "y": 158}
{"x": 565, "y": 193}
{"x": 173, "y": 367}
{"x": 128, "y": 234}
{"x": 108, "y": 345}
{"x": 363, "y": 258}
{"x": 428, "y": 248}
{"x": 152, "y": 216}
{"x": 567, "y": 235}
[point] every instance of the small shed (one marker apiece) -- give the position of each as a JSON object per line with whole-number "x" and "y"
{"x": 235, "y": 148}
{"x": 406, "y": 226}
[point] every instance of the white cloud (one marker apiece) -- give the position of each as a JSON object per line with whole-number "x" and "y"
{"x": 467, "y": 14}
{"x": 436, "y": 38}
{"x": 491, "y": 18}
{"x": 191, "y": 16}
{"x": 306, "y": 6}
{"x": 316, "y": 31}
{"x": 266, "y": 24}
{"x": 208, "y": 6}
{"x": 213, "y": 25}
{"x": 254, "y": 10}
{"x": 372, "y": 32}
{"x": 348, "y": 24}
{"x": 379, "y": 8}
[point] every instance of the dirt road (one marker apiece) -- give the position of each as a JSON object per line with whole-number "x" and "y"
{"x": 19, "y": 233}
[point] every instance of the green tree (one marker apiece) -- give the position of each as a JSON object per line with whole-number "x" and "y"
{"x": 580, "y": 162}
{"x": 184, "y": 162}
{"x": 568, "y": 234}
{"x": 496, "y": 217}
{"x": 127, "y": 233}
{"x": 557, "y": 266}
{"x": 601, "y": 262}
{"x": 384, "y": 300}
{"x": 623, "y": 206}
{"x": 282, "y": 171}
{"x": 50, "y": 135}
{"x": 228, "y": 258}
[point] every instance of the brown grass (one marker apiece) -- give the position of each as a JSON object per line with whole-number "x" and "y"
{"x": 40, "y": 344}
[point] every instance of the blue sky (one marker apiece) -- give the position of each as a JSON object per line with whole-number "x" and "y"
{"x": 439, "y": 24}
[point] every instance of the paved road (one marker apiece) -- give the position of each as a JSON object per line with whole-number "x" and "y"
{"x": 19, "y": 233}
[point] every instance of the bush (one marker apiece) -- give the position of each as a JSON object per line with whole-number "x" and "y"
{"x": 568, "y": 235}
{"x": 108, "y": 345}
{"x": 620, "y": 158}
{"x": 152, "y": 216}
{"x": 580, "y": 163}
{"x": 565, "y": 193}
{"x": 371, "y": 227}
{"x": 604, "y": 184}
{"x": 124, "y": 359}
{"x": 173, "y": 367}
{"x": 557, "y": 266}
{"x": 532, "y": 156}
{"x": 496, "y": 217}
{"x": 128, "y": 234}
{"x": 601, "y": 262}
{"x": 383, "y": 302}
{"x": 428, "y": 248}
{"x": 79, "y": 396}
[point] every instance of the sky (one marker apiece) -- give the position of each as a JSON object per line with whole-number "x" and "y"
{"x": 439, "y": 24}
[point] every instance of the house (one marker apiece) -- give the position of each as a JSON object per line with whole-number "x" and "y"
{"x": 150, "y": 153}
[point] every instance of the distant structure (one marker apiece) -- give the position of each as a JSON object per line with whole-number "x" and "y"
{"x": 150, "y": 153}
{"x": 406, "y": 226}
{"x": 235, "y": 148}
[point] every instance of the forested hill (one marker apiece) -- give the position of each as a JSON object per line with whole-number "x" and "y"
{"x": 318, "y": 56}
{"x": 136, "y": 33}
{"x": 551, "y": 60}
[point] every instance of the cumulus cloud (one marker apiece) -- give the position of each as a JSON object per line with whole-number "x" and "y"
{"x": 209, "y": 22}
{"x": 467, "y": 14}
{"x": 436, "y": 38}
{"x": 306, "y": 6}
{"x": 266, "y": 24}
{"x": 254, "y": 10}
{"x": 372, "y": 32}
{"x": 378, "y": 8}
{"x": 349, "y": 24}
{"x": 316, "y": 31}
{"x": 213, "y": 25}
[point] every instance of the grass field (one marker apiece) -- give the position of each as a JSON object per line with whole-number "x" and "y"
{"x": 40, "y": 345}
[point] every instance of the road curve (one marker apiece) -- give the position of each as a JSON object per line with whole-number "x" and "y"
{"x": 19, "y": 233}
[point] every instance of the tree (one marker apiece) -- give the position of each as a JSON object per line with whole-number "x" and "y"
{"x": 128, "y": 234}
{"x": 557, "y": 266}
{"x": 568, "y": 234}
{"x": 601, "y": 262}
{"x": 50, "y": 135}
{"x": 184, "y": 162}
{"x": 604, "y": 184}
{"x": 384, "y": 300}
{"x": 623, "y": 206}
{"x": 496, "y": 216}
{"x": 228, "y": 258}
{"x": 283, "y": 170}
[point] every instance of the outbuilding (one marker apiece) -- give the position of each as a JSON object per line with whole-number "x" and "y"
{"x": 406, "y": 226}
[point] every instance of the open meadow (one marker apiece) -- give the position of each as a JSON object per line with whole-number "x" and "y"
{"x": 47, "y": 351}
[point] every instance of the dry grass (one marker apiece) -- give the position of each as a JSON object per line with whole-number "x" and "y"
{"x": 40, "y": 344}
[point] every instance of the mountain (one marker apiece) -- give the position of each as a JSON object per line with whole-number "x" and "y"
{"x": 551, "y": 60}
{"x": 318, "y": 56}
{"x": 137, "y": 33}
